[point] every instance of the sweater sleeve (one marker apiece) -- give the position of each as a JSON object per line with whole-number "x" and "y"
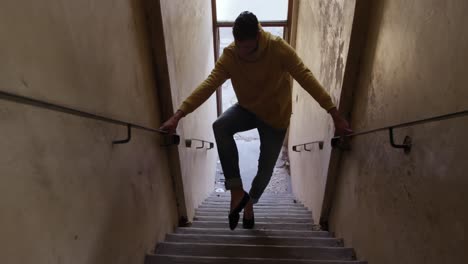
{"x": 216, "y": 78}
{"x": 304, "y": 76}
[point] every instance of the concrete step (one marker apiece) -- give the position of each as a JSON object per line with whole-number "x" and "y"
{"x": 258, "y": 225}
{"x": 268, "y": 202}
{"x": 257, "y": 214}
{"x": 228, "y": 200}
{"x": 259, "y": 207}
{"x": 257, "y": 251}
{"x": 171, "y": 259}
{"x": 265, "y": 207}
{"x": 276, "y": 205}
{"x": 255, "y": 240}
{"x": 262, "y": 200}
{"x": 256, "y": 210}
{"x": 228, "y": 204}
{"x": 258, "y": 219}
{"x": 264, "y": 195}
{"x": 283, "y": 234}
{"x": 251, "y": 232}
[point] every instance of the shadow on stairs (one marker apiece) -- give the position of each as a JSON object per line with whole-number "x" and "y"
{"x": 283, "y": 234}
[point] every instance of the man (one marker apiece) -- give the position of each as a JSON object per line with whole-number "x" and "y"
{"x": 259, "y": 66}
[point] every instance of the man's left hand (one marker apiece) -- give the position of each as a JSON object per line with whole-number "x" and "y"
{"x": 341, "y": 125}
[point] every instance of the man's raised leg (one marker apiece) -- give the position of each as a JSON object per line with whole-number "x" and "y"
{"x": 235, "y": 119}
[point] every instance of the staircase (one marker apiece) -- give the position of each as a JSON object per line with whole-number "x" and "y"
{"x": 283, "y": 234}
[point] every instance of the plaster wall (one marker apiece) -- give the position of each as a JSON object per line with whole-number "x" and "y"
{"x": 322, "y": 41}
{"x": 393, "y": 207}
{"x": 67, "y": 195}
{"x": 188, "y": 37}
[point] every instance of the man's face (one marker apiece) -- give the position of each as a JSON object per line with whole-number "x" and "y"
{"x": 245, "y": 48}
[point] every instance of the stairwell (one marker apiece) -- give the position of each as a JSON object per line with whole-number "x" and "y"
{"x": 283, "y": 233}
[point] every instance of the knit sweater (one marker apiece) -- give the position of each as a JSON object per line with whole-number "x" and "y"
{"x": 262, "y": 84}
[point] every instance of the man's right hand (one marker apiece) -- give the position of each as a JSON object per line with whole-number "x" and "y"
{"x": 171, "y": 125}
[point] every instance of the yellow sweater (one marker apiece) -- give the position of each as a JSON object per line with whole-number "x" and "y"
{"x": 262, "y": 86}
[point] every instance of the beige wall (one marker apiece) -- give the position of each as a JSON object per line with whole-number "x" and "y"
{"x": 189, "y": 45}
{"x": 397, "y": 208}
{"x": 322, "y": 41}
{"x": 66, "y": 194}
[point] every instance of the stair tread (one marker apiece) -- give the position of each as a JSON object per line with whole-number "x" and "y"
{"x": 263, "y": 205}
{"x": 250, "y": 246}
{"x": 255, "y": 240}
{"x": 266, "y": 226}
{"x": 256, "y": 251}
{"x": 259, "y": 206}
{"x": 267, "y": 217}
{"x": 304, "y": 220}
{"x": 259, "y": 210}
{"x": 265, "y": 194}
{"x": 256, "y": 232}
{"x": 265, "y": 202}
{"x": 175, "y": 259}
{"x": 284, "y": 233}
{"x": 252, "y": 236}
{"x": 225, "y": 221}
{"x": 257, "y": 215}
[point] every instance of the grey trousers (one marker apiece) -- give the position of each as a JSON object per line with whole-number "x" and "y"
{"x": 237, "y": 119}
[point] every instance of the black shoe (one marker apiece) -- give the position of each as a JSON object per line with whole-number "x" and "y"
{"x": 234, "y": 215}
{"x": 248, "y": 223}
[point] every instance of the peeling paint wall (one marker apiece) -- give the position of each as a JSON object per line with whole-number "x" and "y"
{"x": 322, "y": 41}
{"x": 66, "y": 194}
{"x": 397, "y": 208}
{"x": 189, "y": 43}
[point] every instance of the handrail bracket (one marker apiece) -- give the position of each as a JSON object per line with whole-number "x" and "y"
{"x": 341, "y": 143}
{"x": 205, "y": 144}
{"x": 170, "y": 139}
{"x": 129, "y": 136}
{"x": 407, "y": 142}
{"x": 300, "y": 147}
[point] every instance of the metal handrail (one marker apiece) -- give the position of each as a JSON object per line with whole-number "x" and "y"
{"x": 407, "y": 143}
{"x": 412, "y": 123}
{"x": 169, "y": 139}
{"x": 188, "y": 143}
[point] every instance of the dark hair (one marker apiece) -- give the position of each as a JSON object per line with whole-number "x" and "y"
{"x": 245, "y": 26}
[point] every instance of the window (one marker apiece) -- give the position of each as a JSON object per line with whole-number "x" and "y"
{"x": 265, "y": 10}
